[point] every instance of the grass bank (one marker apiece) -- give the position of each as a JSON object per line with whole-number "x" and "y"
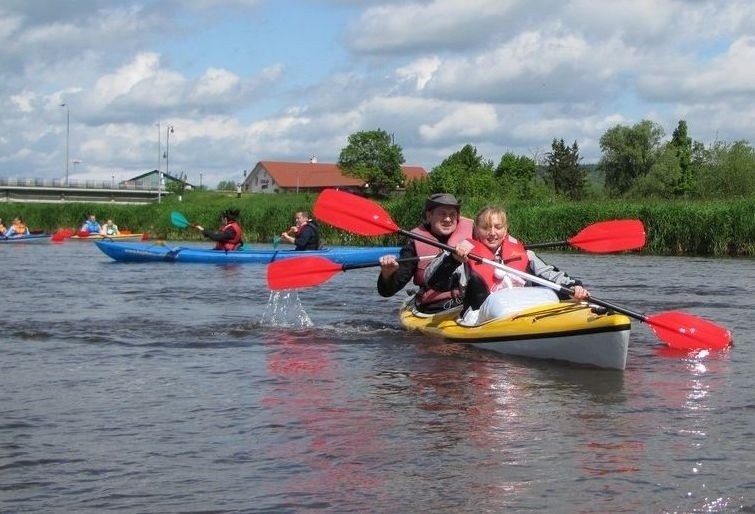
{"x": 716, "y": 228}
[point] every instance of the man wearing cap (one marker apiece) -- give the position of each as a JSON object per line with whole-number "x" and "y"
{"x": 229, "y": 236}
{"x": 443, "y": 223}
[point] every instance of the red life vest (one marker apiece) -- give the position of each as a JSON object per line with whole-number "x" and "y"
{"x": 231, "y": 244}
{"x": 512, "y": 253}
{"x": 425, "y": 295}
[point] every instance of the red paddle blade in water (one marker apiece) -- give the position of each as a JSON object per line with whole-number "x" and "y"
{"x": 57, "y": 237}
{"x": 61, "y": 235}
{"x": 353, "y": 213}
{"x": 300, "y": 272}
{"x": 610, "y": 236}
{"x": 684, "y": 331}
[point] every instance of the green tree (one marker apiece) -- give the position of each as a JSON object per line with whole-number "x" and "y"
{"x": 562, "y": 171}
{"x": 682, "y": 146}
{"x": 373, "y": 157}
{"x": 728, "y": 171}
{"x": 177, "y": 186}
{"x": 516, "y": 174}
{"x": 465, "y": 173}
{"x": 226, "y": 185}
{"x": 663, "y": 179}
{"x": 628, "y": 153}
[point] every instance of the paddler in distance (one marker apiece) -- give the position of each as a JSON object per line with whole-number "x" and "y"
{"x": 229, "y": 237}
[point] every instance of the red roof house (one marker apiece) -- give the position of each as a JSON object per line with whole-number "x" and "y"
{"x": 275, "y": 177}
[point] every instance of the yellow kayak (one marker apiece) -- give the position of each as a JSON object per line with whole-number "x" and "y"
{"x": 564, "y": 331}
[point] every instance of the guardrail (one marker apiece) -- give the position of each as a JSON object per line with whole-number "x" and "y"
{"x": 133, "y": 185}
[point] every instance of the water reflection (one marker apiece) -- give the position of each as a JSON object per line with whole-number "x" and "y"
{"x": 330, "y": 437}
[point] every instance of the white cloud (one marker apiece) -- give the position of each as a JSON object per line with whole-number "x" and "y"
{"x": 726, "y": 74}
{"x": 465, "y": 121}
{"x": 23, "y": 101}
{"x": 503, "y": 75}
{"x": 436, "y": 24}
{"x": 421, "y": 71}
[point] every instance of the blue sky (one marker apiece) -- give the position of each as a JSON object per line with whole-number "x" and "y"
{"x": 248, "y": 80}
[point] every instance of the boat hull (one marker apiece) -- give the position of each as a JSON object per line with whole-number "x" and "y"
{"x": 141, "y": 252}
{"x": 27, "y": 239}
{"x": 562, "y": 331}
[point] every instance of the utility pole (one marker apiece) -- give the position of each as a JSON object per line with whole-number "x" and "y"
{"x": 68, "y": 134}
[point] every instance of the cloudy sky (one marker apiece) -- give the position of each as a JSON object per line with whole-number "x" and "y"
{"x": 247, "y": 80}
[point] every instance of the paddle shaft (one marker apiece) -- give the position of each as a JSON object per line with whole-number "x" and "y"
{"x": 521, "y": 274}
{"x": 547, "y": 245}
{"x": 347, "y": 267}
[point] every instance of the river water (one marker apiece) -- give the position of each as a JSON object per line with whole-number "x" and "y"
{"x": 191, "y": 388}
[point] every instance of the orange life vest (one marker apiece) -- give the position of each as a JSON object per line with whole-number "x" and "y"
{"x": 231, "y": 244}
{"x": 512, "y": 254}
{"x": 426, "y": 295}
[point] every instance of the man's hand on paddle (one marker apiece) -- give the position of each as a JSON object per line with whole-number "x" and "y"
{"x": 388, "y": 265}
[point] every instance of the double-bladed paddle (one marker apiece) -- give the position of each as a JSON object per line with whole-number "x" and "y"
{"x": 604, "y": 237}
{"x": 361, "y": 216}
{"x": 600, "y": 237}
{"x": 179, "y": 220}
{"x": 310, "y": 271}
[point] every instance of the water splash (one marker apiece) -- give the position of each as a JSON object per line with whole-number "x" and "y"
{"x": 284, "y": 309}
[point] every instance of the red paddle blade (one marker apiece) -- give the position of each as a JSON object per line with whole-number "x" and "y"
{"x": 61, "y": 234}
{"x": 684, "y": 331}
{"x": 610, "y": 236}
{"x": 353, "y": 213}
{"x": 300, "y": 272}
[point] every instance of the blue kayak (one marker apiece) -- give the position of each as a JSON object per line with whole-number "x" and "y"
{"x": 141, "y": 252}
{"x": 28, "y": 238}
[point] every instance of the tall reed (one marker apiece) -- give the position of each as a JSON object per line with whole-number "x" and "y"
{"x": 715, "y": 228}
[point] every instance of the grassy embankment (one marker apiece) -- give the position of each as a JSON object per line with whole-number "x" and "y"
{"x": 712, "y": 228}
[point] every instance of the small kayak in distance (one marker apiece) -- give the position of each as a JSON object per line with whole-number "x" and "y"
{"x": 142, "y": 252}
{"x": 28, "y": 238}
{"x": 100, "y": 237}
{"x": 563, "y": 331}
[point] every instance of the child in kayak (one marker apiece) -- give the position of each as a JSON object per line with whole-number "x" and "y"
{"x": 110, "y": 228}
{"x": 18, "y": 228}
{"x": 490, "y": 292}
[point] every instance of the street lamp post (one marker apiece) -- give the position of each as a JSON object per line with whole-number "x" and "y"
{"x": 68, "y": 133}
{"x": 159, "y": 153}
{"x": 200, "y": 180}
{"x": 168, "y": 131}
